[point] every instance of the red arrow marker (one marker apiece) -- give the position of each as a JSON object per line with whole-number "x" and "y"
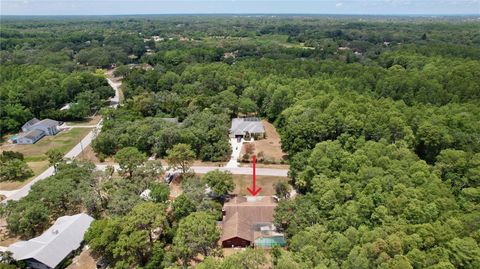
{"x": 254, "y": 191}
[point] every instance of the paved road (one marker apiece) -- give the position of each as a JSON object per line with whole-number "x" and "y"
{"x": 233, "y": 170}
{"x": 22, "y": 192}
{"x": 116, "y": 86}
{"x": 243, "y": 170}
{"x": 18, "y": 194}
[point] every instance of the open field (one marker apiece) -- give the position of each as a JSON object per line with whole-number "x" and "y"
{"x": 264, "y": 182}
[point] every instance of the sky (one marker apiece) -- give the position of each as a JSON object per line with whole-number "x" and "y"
{"x": 121, "y": 7}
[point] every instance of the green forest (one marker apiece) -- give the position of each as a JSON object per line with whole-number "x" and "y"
{"x": 379, "y": 116}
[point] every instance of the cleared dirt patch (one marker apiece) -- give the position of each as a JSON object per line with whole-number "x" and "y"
{"x": 83, "y": 261}
{"x": 270, "y": 148}
{"x": 264, "y": 182}
{"x": 89, "y": 155}
{"x": 5, "y": 239}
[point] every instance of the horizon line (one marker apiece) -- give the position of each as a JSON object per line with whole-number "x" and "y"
{"x": 245, "y": 14}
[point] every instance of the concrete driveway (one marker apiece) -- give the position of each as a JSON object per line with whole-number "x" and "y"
{"x": 236, "y": 149}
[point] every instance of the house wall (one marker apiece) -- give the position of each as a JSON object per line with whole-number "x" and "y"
{"x": 24, "y": 141}
{"x": 48, "y": 130}
{"x": 236, "y": 242}
{"x": 32, "y": 263}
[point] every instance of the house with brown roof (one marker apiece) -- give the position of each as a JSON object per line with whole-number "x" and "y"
{"x": 247, "y": 219}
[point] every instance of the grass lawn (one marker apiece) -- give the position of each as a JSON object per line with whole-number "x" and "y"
{"x": 35, "y": 154}
{"x": 264, "y": 182}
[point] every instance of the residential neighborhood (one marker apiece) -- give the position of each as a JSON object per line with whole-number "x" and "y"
{"x": 239, "y": 134}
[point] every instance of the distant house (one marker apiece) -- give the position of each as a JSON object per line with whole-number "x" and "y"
{"x": 247, "y": 221}
{"x": 28, "y": 125}
{"x": 30, "y": 137}
{"x": 55, "y": 244}
{"x": 246, "y": 128}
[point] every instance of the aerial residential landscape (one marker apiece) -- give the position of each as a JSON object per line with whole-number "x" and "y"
{"x": 236, "y": 134}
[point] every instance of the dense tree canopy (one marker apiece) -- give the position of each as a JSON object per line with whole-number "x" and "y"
{"x": 379, "y": 117}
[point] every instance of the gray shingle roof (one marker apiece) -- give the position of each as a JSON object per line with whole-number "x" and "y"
{"x": 30, "y": 123}
{"x": 32, "y": 134}
{"x": 47, "y": 123}
{"x": 50, "y": 248}
{"x": 242, "y": 125}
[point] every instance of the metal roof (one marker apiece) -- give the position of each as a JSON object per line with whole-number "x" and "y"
{"x": 50, "y": 248}
{"x": 46, "y": 123}
{"x": 30, "y": 123}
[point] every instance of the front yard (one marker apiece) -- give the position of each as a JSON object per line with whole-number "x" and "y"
{"x": 265, "y": 182}
{"x": 270, "y": 148}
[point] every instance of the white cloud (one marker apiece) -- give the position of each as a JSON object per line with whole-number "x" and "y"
{"x": 339, "y": 4}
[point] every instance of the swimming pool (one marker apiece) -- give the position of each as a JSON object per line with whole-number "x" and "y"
{"x": 272, "y": 241}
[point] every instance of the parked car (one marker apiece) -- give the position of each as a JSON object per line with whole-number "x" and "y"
{"x": 171, "y": 176}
